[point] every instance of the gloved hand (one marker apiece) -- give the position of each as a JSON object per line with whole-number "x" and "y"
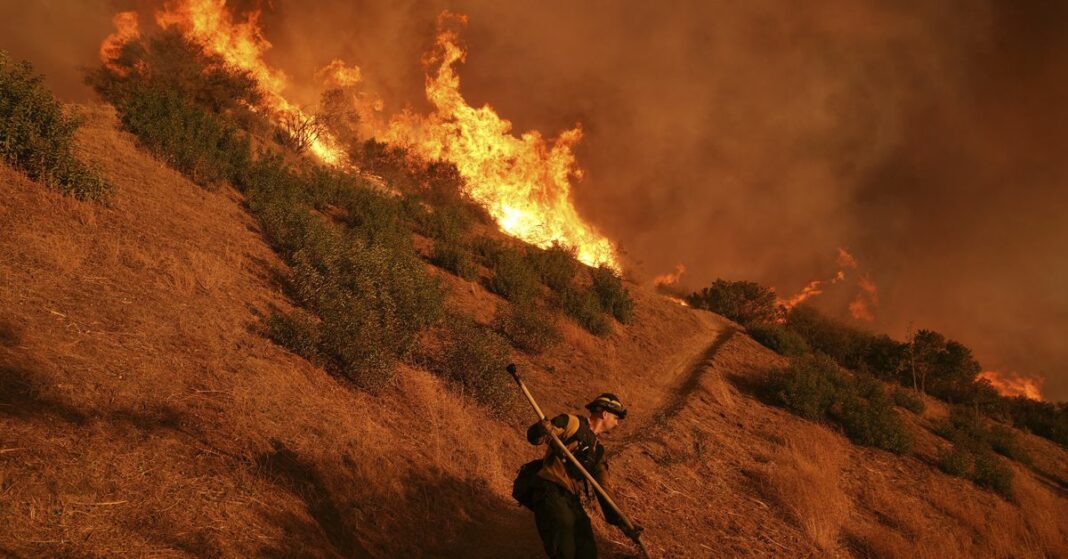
{"x": 634, "y": 532}
{"x": 510, "y": 368}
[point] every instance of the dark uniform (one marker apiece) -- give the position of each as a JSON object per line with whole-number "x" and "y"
{"x": 562, "y": 522}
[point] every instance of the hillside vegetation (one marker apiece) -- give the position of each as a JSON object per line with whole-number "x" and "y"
{"x": 219, "y": 362}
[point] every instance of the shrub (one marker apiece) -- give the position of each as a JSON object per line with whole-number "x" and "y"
{"x": 449, "y": 222}
{"x": 1044, "y": 419}
{"x": 194, "y": 141}
{"x": 909, "y": 401}
{"x": 454, "y": 257}
{"x": 528, "y": 327}
{"x": 585, "y": 308}
{"x": 814, "y": 388}
{"x": 556, "y": 266}
{"x": 37, "y": 138}
{"x": 297, "y": 332}
{"x": 777, "y": 338}
{"x": 991, "y": 472}
{"x": 370, "y": 292}
{"x": 168, "y": 61}
{"x": 613, "y": 296}
{"x": 955, "y": 462}
{"x": 845, "y": 344}
{"x": 744, "y": 302}
{"x": 474, "y": 357}
{"x": 488, "y": 249}
{"x": 872, "y": 421}
{"x": 513, "y": 278}
{"x": 372, "y": 303}
{"x": 1003, "y": 442}
{"x": 808, "y": 387}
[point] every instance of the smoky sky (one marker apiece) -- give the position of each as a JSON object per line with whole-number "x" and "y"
{"x": 749, "y": 140}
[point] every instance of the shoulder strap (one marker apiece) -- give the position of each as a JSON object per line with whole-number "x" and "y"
{"x": 573, "y": 424}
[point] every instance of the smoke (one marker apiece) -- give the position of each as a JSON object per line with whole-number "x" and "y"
{"x": 750, "y": 140}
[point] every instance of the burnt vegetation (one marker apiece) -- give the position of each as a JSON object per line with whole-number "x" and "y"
{"x": 364, "y": 292}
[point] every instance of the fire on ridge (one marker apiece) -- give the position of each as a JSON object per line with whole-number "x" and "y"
{"x": 524, "y": 182}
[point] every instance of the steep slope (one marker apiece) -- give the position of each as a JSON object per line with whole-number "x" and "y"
{"x": 143, "y": 412}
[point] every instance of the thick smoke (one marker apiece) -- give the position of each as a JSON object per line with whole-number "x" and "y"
{"x": 750, "y": 140}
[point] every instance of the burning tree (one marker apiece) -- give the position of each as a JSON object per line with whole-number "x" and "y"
{"x": 297, "y": 131}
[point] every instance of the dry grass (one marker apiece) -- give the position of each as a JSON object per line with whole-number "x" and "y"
{"x": 803, "y": 480}
{"x": 143, "y": 413}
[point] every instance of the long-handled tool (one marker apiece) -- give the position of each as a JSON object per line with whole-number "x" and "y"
{"x": 559, "y": 445}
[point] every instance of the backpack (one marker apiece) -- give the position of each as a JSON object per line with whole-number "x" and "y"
{"x": 526, "y": 481}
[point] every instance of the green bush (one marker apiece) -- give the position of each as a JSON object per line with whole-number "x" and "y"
{"x": 872, "y": 421}
{"x": 370, "y": 291}
{"x": 449, "y": 223}
{"x": 1045, "y": 419}
{"x": 297, "y": 332}
{"x": 777, "y": 338}
{"x": 1003, "y": 442}
{"x": 613, "y": 296}
{"x": 584, "y": 306}
{"x": 454, "y": 257}
{"x": 814, "y": 388}
{"x": 513, "y": 277}
{"x": 909, "y": 401}
{"x": 955, "y": 462}
{"x": 845, "y": 344}
{"x": 475, "y": 357}
{"x": 744, "y": 302}
{"x": 194, "y": 141}
{"x": 993, "y": 473}
{"x": 37, "y": 138}
{"x": 556, "y": 266}
{"x": 488, "y": 249}
{"x": 168, "y": 61}
{"x": 372, "y": 303}
{"x": 529, "y": 328}
{"x": 808, "y": 387}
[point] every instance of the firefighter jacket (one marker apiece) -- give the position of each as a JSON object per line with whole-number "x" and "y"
{"x": 574, "y": 431}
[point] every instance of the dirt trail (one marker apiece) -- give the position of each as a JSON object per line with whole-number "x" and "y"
{"x": 696, "y": 367}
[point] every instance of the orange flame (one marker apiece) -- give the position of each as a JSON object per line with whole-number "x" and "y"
{"x": 1013, "y": 384}
{"x": 126, "y": 29}
{"x": 337, "y": 74}
{"x": 811, "y": 290}
{"x": 242, "y": 44}
{"x": 862, "y": 307}
{"x": 523, "y": 181}
{"x": 670, "y": 278}
{"x": 677, "y": 300}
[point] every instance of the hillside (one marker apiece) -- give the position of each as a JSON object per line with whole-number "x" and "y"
{"x": 144, "y": 412}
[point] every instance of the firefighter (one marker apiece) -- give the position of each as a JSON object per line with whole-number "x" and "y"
{"x": 562, "y": 522}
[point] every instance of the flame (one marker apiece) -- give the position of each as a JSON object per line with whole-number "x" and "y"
{"x": 126, "y": 30}
{"x": 677, "y": 300}
{"x": 523, "y": 181}
{"x": 670, "y": 278}
{"x": 811, "y": 290}
{"x": 1013, "y": 384}
{"x": 242, "y": 44}
{"x": 862, "y": 307}
{"x": 337, "y": 74}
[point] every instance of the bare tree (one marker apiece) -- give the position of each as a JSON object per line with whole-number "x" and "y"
{"x": 297, "y": 131}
